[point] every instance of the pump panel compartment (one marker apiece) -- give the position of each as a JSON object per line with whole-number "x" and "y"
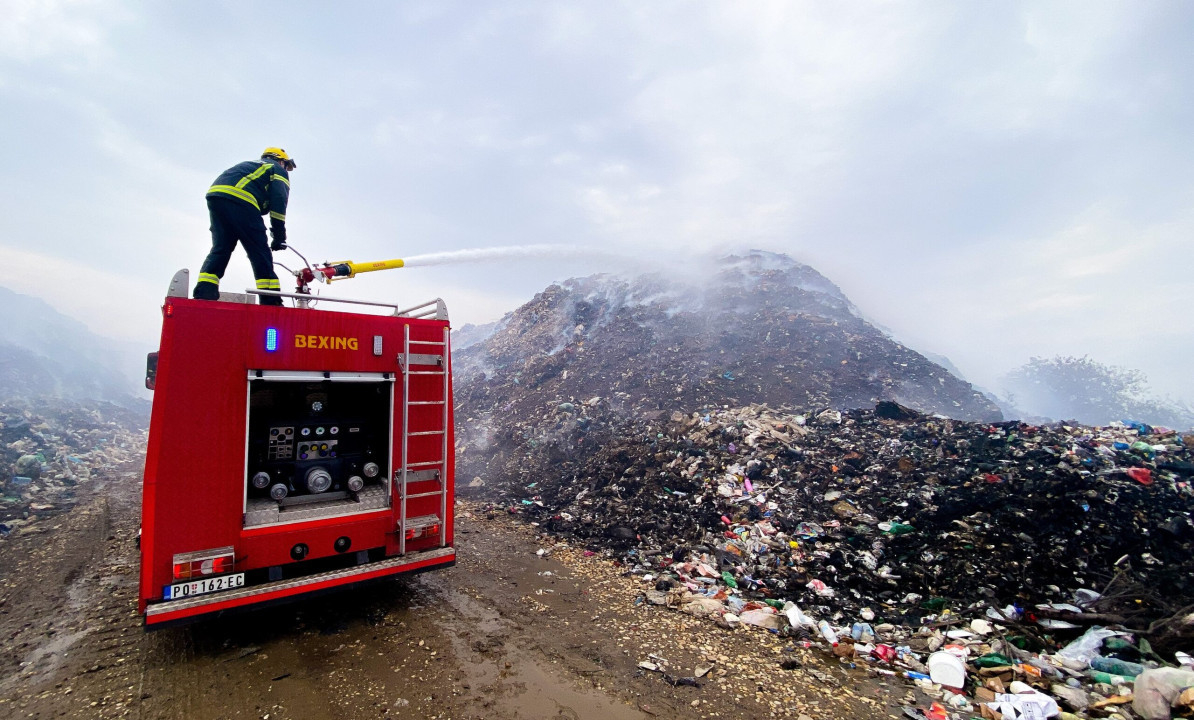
{"x": 317, "y": 446}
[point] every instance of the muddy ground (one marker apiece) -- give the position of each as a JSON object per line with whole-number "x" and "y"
{"x": 508, "y": 633}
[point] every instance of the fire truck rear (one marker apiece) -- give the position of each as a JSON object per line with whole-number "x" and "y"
{"x": 292, "y": 451}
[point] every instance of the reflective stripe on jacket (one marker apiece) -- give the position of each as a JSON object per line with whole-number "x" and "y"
{"x": 260, "y": 183}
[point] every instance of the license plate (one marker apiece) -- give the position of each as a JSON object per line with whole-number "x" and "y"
{"x": 205, "y": 585}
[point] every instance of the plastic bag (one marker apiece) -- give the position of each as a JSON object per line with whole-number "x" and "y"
{"x": 1156, "y": 690}
{"x": 797, "y": 618}
{"x": 1087, "y": 646}
{"x": 761, "y": 617}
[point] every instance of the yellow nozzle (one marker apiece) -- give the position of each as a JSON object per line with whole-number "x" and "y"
{"x": 355, "y": 268}
{"x": 347, "y": 268}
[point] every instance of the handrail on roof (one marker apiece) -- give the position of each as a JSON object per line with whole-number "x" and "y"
{"x": 434, "y": 309}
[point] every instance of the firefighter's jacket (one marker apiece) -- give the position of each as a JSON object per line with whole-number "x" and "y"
{"x": 263, "y": 185}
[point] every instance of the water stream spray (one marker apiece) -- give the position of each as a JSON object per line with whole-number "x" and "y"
{"x": 520, "y": 252}
{"x": 329, "y": 271}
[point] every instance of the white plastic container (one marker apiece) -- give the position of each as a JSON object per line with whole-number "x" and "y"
{"x": 947, "y": 669}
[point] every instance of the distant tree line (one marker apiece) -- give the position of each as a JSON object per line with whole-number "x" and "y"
{"x": 1081, "y": 389}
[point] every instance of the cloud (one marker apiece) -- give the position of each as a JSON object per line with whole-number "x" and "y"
{"x": 1103, "y": 286}
{"x": 68, "y": 30}
{"x": 992, "y": 181}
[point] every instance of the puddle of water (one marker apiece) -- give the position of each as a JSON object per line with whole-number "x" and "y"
{"x": 516, "y": 683}
{"x": 487, "y": 620}
{"x": 539, "y": 694}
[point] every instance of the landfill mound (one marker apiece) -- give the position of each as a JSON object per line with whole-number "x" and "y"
{"x": 763, "y": 328}
{"x": 50, "y": 449}
{"x": 838, "y": 511}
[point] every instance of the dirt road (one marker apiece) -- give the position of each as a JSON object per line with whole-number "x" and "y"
{"x": 510, "y": 632}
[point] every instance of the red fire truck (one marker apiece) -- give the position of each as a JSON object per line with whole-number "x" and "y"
{"x": 292, "y": 449}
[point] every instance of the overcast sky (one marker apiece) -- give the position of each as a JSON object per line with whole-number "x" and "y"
{"x": 989, "y": 181}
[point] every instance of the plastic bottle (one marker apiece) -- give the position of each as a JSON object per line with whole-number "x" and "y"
{"x": 1115, "y": 666}
{"x": 991, "y": 660}
{"x": 1044, "y": 666}
{"x": 1108, "y": 678}
{"x": 827, "y": 633}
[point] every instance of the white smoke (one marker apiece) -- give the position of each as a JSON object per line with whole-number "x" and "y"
{"x": 476, "y": 255}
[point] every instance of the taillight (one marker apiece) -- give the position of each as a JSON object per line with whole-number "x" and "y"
{"x": 204, "y": 562}
{"x": 425, "y": 531}
{"x": 169, "y": 309}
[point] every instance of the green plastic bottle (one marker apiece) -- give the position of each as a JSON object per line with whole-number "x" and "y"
{"x": 1115, "y": 666}
{"x": 1108, "y": 678}
{"x": 991, "y": 660}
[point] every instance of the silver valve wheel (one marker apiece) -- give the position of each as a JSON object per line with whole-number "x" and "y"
{"x": 318, "y": 480}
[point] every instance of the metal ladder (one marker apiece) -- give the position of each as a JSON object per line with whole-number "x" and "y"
{"x": 426, "y": 469}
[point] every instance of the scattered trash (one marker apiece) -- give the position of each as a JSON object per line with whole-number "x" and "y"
{"x": 947, "y": 669}
{"x": 1157, "y": 692}
{"x": 827, "y": 632}
{"x": 29, "y": 467}
{"x": 1115, "y": 666}
{"x": 869, "y": 510}
{"x": 51, "y": 447}
{"x": 1024, "y": 703}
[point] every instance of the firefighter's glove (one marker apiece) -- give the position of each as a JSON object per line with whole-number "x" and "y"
{"x": 277, "y": 245}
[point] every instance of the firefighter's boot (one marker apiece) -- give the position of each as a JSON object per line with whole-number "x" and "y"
{"x": 269, "y": 300}
{"x": 206, "y": 291}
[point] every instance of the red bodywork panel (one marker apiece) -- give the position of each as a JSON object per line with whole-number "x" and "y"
{"x": 196, "y": 468}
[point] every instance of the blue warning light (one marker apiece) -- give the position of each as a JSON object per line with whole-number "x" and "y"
{"x": 271, "y": 339}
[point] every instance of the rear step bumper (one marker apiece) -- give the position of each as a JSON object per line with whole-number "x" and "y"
{"x": 173, "y": 611}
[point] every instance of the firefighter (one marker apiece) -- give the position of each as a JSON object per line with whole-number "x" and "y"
{"x": 235, "y": 202}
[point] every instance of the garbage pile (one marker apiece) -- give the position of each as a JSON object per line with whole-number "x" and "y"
{"x": 50, "y": 448}
{"x": 843, "y": 510}
{"x": 883, "y": 535}
{"x": 762, "y": 329}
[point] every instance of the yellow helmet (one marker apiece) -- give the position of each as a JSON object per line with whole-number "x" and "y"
{"x": 280, "y": 154}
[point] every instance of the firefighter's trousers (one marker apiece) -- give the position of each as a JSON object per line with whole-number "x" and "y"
{"x": 233, "y": 221}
